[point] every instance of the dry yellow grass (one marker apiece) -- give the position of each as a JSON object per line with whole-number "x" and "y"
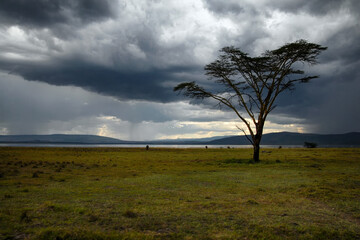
{"x": 114, "y": 193}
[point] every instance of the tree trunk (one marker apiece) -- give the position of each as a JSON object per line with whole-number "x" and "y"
{"x": 257, "y": 140}
{"x": 256, "y": 156}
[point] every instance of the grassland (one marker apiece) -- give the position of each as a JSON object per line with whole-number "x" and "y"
{"x": 112, "y": 193}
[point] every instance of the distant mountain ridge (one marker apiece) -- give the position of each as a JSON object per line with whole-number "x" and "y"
{"x": 282, "y": 138}
{"x": 288, "y": 138}
{"x": 60, "y": 138}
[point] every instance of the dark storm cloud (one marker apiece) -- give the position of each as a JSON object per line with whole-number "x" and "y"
{"x": 343, "y": 45}
{"x": 123, "y": 85}
{"x": 325, "y": 105}
{"x": 134, "y": 66}
{"x": 46, "y": 13}
{"x": 224, "y": 8}
{"x": 316, "y": 7}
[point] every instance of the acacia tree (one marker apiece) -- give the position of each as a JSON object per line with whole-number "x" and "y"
{"x": 250, "y": 85}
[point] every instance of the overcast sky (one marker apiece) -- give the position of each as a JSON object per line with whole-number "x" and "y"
{"x": 109, "y": 67}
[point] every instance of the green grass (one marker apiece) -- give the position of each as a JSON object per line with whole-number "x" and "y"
{"x": 114, "y": 193}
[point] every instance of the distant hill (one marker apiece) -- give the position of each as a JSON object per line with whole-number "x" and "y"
{"x": 59, "y": 138}
{"x": 91, "y": 139}
{"x": 287, "y": 138}
{"x": 283, "y": 138}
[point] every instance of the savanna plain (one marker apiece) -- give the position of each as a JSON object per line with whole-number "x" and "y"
{"x": 131, "y": 193}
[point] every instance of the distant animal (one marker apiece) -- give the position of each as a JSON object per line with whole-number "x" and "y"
{"x": 310, "y": 145}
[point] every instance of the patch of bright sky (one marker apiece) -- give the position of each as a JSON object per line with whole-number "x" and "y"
{"x": 24, "y": 46}
{"x": 284, "y": 27}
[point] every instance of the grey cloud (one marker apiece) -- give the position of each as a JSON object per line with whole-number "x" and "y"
{"x": 224, "y": 8}
{"x": 134, "y": 64}
{"x": 337, "y": 109}
{"x": 316, "y": 7}
{"x": 42, "y": 104}
{"x": 325, "y": 105}
{"x": 343, "y": 45}
{"x": 46, "y": 13}
{"x": 147, "y": 85}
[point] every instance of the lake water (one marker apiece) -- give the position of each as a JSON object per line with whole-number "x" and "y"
{"x": 161, "y": 145}
{"x": 138, "y": 145}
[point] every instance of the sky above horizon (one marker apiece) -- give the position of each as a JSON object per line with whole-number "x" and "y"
{"x": 109, "y": 67}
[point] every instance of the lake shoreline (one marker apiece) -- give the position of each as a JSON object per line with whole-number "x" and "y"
{"x": 180, "y": 146}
